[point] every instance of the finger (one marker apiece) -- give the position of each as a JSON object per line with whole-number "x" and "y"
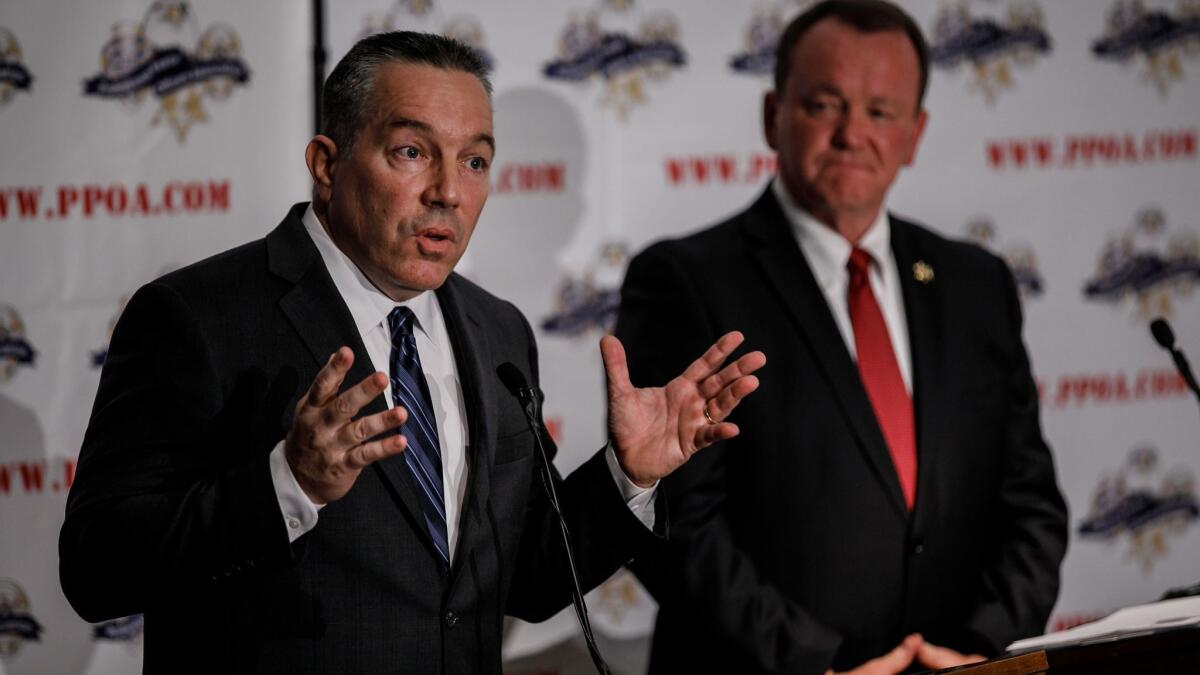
{"x": 745, "y": 365}
{"x": 937, "y": 657}
{"x": 708, "y": 434}
{"x": 330, "y": 377}
{"x": 896, "y": 660}
{"x": 349, "y": 402}
{"x": 711, "y": 360}
{"x": 728, "y": 398}
{"x": 363, "y": 455}
{"x": 616, "y": 367}
{"x": 364, "y": 429}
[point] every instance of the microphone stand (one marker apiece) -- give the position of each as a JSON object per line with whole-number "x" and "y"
{"x": 531, "y": 403}
{"x": 1165, "y": 337}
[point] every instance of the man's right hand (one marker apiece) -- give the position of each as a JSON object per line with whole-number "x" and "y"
{"x": 326, "y": 447}
{"x": 890, "y": 663}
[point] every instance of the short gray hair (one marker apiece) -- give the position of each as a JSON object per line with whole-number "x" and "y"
{"x": 347, "y": 91}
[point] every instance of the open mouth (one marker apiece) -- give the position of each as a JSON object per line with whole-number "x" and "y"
{"x": 437, "y": 234}
{"x": 435, "y": 241}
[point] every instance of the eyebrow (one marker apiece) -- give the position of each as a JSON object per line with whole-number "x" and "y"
{"x": 424, "y": 127}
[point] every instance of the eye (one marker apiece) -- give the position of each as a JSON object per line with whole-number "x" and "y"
{"x": 821, "y": 106}
{"x": 477, "y": 164}
{"x": 409, "y": 152}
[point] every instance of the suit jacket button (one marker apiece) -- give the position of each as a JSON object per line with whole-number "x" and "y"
{"x": 451, "y": 619}
{"x": 918, "y": 549}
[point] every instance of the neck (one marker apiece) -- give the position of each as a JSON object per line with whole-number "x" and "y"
{"x": 851, "y": 224}
{"x": 851, "y": 227}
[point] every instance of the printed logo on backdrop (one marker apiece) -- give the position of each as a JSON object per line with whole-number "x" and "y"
{"x": 128, "y": 629}
{"x": 587, "y": 303}
{"x": 1159, "y": 37}
{"x": 762, "y": 36}
{"x": 617, "y": 597}
{"x": 1148, "y": 266}
{"x": 1020, "y": 256}
{"x": 167, "y": 57}
{"x": 1141, "y": 508}
{"x": 17, "y": 623}
{"x": 14, "y": 75}
{"x": 623, "y": 47}
{"x": 15, "y": 349}
{"x": 423, "y": 16}
{"x": 991, "y": 48}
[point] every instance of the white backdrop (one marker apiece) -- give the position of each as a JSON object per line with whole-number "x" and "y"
{"x": 198, "y": 156}
{"x": 1062, "y": 135}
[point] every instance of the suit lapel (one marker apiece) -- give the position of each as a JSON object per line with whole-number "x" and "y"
{"x": 323, "y": 322}
{"x": 787, "y": 271}
{"x": 923, "y": 312}
{"x": 472, "y": 355}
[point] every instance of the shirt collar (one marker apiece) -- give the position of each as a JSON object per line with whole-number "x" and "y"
{"x": 826, "y": 251}
{"x": 369, "y": 307}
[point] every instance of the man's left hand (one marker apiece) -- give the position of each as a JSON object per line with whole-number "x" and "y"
{"x": 656, "y": 429}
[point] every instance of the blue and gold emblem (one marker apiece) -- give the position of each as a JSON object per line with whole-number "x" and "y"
{"x": 168, "y": 57}
{"x": 1160, "y": 38}
{"x": 992, "y": 48}
{"x": 424, "y": 16}
{"x": 17, "y": 623}
{"x": 588, "y": 303}
{"x": 14, "y": 75}
{"x": 15, "y": 349}
{"x": 646, "y": 47}
{"x": 1148, "y": 264}
{"x": 1128, "y": 505}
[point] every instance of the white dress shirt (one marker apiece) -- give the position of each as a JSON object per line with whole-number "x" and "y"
{"x": 369, "y": 308}
{"x": 828, "y": 253}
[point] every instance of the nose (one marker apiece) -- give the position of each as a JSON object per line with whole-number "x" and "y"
{"x": 442, "y": 192}
{"x": 852, "y": 129}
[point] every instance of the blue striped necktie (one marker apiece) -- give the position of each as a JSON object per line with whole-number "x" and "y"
{"x": 424, "y": 455}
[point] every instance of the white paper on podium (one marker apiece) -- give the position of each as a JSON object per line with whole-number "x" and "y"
{"x": 1139, "y": 619}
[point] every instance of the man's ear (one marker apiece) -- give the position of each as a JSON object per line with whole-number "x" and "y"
{"x": 769, "y": 104}
{"x": 321, "y": 157}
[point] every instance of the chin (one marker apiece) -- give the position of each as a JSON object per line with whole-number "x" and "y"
{"x": 425, "y": 280}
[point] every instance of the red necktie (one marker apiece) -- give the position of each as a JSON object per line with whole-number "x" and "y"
{"x": 880, "y": 374}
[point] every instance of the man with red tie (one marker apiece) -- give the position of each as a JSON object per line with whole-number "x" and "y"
{"x": 892, "y": 503}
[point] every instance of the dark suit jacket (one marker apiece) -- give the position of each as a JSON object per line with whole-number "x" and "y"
{"x": 796, "y": 549}
{"x": 173, "y": 513}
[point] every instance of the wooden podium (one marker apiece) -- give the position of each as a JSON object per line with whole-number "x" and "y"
{"x": 1163, "y": 652}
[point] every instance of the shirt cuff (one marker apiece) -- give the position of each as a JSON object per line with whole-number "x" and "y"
{"x": 640, "y": 500}
{"x": 299, "y": 513}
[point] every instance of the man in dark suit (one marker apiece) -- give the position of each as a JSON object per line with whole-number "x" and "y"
{"x": 241, "y": 481}
{"x": 892, "y": 502}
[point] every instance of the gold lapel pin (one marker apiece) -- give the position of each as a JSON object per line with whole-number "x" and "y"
{"x": 922, "y": 272}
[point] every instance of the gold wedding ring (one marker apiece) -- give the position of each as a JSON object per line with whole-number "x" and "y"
{"x": 707, "y": 416}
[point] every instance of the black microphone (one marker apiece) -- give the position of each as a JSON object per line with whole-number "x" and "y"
{"x": 1161, "y": 330}
{"x": 530, "y": 399}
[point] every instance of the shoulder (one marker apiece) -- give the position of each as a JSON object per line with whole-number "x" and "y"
{"x": 476, "y": 301}
{"x": 700, "y": 250}
{"x": 964, "y": 258}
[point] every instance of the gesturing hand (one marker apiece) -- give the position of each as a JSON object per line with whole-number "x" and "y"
{"x": 656, "y": 429}
{"x": 326, "y": 447}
